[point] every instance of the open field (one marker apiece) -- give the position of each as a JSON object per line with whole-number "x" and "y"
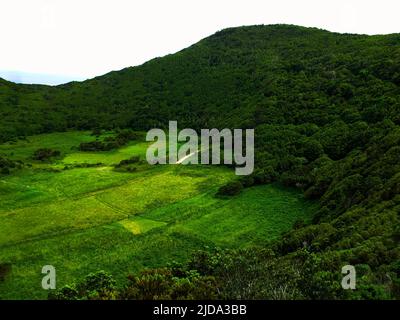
{"x": 84, "y": 219}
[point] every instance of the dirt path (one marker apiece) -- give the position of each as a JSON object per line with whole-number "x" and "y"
{"x": 187, "y": 156}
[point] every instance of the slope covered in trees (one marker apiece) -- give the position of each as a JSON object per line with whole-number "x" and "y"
{"x": 238, "y": 77}
{"x": 325, "y": 108}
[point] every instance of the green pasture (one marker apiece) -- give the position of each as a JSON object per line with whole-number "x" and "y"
{"x": 85, "y": 219}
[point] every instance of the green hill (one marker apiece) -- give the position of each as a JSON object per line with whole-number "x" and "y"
{"x": 237, "y": 77}
{"x": 325, "y": 108}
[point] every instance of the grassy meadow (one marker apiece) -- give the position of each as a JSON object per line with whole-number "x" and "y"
{"x": 79, "y": 214}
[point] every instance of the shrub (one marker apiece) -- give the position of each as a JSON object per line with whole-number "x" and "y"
{"x": 132, "y": 160}
{"x": 96, "y": 286}
{"x": 312, "y": 149}
{"x": 6, "y": 165}
{"x": 96, "y": 132}
{"x": 92, "y": 146}
{"x": 162, "y": 283}
{"x": 230, "y": 189}
{"x": 45, "y": 154}
{"x": 5, "y": 171}
{"x": 247, "y": 181}
{"x": 5, "y": 269}
{"x": 110, "y": 143}
{"x": 264, "y": 176}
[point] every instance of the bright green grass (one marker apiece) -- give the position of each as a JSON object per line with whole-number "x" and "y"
{"x": 87, "y": 219}
{"x": 111, "y": 247}
{"x": 67, "y": 143}
{"x": 64, "y": 142}
{"x": 69, "y": 212}
{"x": 256, "y": 215}
{"x": 146, "y": 241}
{"x": 173, "y": 184}
{"x": 138, "y": 225}
{"x": 32, "y": 187}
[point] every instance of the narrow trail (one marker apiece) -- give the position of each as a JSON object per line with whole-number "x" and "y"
{"x": 185, "y": 157}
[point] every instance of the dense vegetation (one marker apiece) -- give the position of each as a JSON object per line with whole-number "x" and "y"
{"x": 325, "y": 108}
{"x": 7, "y": 165}
{"x": 109, "y": 143}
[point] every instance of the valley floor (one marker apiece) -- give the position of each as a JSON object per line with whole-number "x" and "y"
{"x": 81, "y": 215}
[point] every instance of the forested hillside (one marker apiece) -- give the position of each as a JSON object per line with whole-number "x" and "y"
{"x": 239, "y": 77}
{"x": 325, "y": 108}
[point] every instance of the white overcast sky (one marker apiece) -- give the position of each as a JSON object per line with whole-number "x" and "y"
{"x": 79, "y": 39}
